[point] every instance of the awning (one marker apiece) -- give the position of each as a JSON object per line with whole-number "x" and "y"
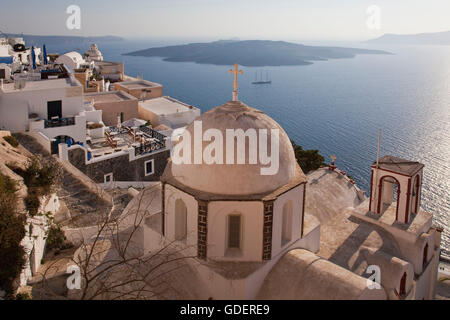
{"x": 7, "y": 59}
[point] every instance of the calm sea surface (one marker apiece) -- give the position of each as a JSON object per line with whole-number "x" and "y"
{"x": 335, "y": 106}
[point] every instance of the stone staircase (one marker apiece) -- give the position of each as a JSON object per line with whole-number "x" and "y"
{"x": 84, "y": 206}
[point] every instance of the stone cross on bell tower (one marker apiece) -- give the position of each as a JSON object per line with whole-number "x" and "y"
{"x": 236, "y": 71}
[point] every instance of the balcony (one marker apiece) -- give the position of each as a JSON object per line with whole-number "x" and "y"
{"x": 59, "y": 122}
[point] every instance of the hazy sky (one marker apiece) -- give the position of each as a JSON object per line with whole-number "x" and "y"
{"x": 245, "y": 19}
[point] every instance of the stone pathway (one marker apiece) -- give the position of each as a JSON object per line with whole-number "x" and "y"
{"x": 85, "y": 207}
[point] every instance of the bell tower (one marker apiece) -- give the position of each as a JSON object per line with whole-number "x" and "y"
{"x": 396, "y": 186}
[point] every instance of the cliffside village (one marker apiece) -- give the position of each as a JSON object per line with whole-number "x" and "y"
{"x": 244, "y": 235}
{"x": 112, "y": 127}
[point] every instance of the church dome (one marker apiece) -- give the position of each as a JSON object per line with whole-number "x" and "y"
{"x": 237, "y": 179}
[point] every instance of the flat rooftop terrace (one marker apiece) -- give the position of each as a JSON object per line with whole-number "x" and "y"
{"x": 41, "y": 85}
{"x": 143, "y": 140}
{"x": 108, "y": 97}
{"x": 138, "y": 84}
{"x": 165, "y": 105}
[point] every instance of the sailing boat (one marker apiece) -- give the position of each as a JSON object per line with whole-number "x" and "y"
{"x": 261, "y": 81}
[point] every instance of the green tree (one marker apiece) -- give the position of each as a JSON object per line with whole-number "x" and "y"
{"x": 12, "y": 231}
{"x": 308, "y": 160}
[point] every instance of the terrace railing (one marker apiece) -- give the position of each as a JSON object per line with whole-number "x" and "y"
{"x": 153, "y": 133}
{"x": 158, "y": 140}
{"x": 61, "y": 122}
{"x": 149, "y": 147}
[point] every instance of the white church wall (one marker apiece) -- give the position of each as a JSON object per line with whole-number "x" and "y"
{"x": 171, "y": 196}
{"x": 296, "y": 197}
{"x": 426, "y": 281}
{"x": 252, "y": 220}
{"x": 220, "y": 287}
{"x": 310, "y": 241}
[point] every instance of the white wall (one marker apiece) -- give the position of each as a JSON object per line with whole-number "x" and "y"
{"x": 179, "y": 119}
{"x": 296, "y": 196}
{"x": 16, "y": 106}
{"x": 77, "y": 131}
{"x": 171, "y": 196}
{"x": 37, "y": 238}
{"x": 13, "y": 113}
{"x": 252, "y": 221}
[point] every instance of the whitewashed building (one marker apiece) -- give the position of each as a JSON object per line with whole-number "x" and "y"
{"x": 167, "y": 111}
{"x": 52, "y": 110}
{"x": 292, "y": 236}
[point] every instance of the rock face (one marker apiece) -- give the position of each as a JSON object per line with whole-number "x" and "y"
{"x": 251, "y": 53}
{"x": 10, "y": 155}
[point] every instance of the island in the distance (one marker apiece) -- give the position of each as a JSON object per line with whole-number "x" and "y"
{"x": 251, "y": 53}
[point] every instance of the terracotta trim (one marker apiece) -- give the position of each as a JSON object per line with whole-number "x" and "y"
{"x": 408, "y": 196}
{"x": 303, "y": 209}
{"x": 417, "y": 187}
{"x": 163, "y": 209}
{"x": 202, "y": 230}
{"x": 267, "y": 230}
{"x": 262, "y": 199}
{"x": 371, "y": 190}
{"x": 396, "y": 172}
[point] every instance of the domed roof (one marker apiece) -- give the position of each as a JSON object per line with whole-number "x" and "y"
{"x": 237, "y": 179}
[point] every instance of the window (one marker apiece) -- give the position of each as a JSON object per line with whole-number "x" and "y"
{"x": 180, "y": 220}
{"x": 425, "y": 256}
{"x": 2, "y": 74}
{"x": 54, "y": 109}
{"x": 403, "y": 285}
{"x": 149, "y": 167}
{"x": 286, "y": 224}
{"x": 109, "y": 177}
{"x": 234, "y": 232}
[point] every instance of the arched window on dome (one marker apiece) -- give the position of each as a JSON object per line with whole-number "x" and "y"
{"x": 180, "y": 220}
{"x": 234, "y": 231}
{"x": 286, "y": 223}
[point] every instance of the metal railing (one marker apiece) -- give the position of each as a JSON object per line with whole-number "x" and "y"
{"x": 149, "y": 147}
{"x": 60, "y": 122}
{"x": 153, "y": 133}
{"x": 158, "y": 140}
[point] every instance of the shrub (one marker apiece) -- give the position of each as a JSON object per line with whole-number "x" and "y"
{"x": 56, "y": 240}
{"x": 12, "y": 141}
{"x": 41, "y": 175}
{"x": 32, "y": 202}
{"x": 12, "y": 231}
{"x": 308, "y": 160}
{"x": 95, "y": 126}
{"x": 23, "y": 296}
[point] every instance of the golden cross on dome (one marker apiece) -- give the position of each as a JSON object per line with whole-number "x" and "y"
{"x": 236, "y": 71}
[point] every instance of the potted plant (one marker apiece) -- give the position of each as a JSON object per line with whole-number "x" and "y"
{"x": 33, "y": 117}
